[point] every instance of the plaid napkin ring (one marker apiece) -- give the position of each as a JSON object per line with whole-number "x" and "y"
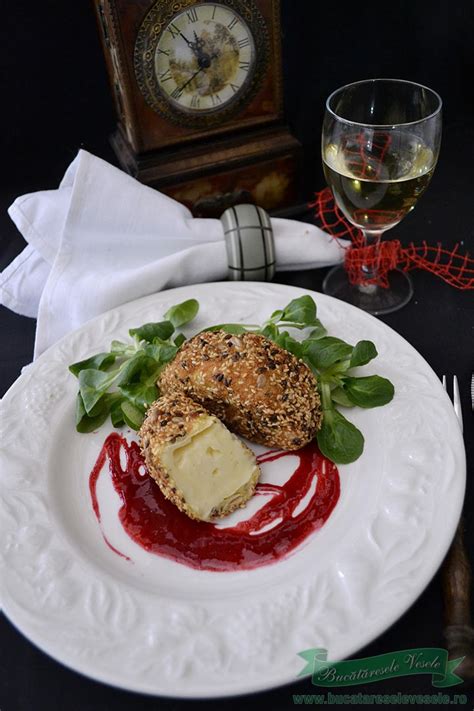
{"x": 249, "y": 243}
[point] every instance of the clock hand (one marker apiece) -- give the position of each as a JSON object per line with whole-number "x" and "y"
{"x": 190, "y": 80}
{"x": 186, "y": 40}
{"x": 198, "y": 43}
{"x": 197, "y": 48}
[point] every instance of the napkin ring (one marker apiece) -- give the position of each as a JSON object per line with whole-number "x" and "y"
{"x": 249, "y": 243}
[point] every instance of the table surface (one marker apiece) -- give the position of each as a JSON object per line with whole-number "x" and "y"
{"x": 439, "y": 323}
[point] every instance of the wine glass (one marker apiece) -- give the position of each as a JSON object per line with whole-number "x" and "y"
{"x": 380, "y": 145}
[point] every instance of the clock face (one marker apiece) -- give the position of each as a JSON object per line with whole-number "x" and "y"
{"x": 199, "y": 63}
{"x": 204, "y": 58}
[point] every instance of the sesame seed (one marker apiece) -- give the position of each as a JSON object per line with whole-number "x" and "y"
{"x": 261, "y": 380}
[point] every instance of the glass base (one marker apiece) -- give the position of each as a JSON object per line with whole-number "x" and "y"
{"x": 373, "y": 299}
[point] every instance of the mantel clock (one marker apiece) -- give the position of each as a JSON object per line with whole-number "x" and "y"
{"x": 198, "y": 94}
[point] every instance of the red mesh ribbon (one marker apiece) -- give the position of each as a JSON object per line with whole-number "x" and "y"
{"x": 454, "y": 268}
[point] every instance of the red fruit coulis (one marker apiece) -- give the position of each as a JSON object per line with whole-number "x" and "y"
{"x": 159, "y": 527}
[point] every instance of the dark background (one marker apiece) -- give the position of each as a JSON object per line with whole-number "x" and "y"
{"x": 56, "y": 96}
{"x": 56, "y": 99}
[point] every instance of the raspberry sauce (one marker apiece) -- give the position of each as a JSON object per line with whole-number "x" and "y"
{"x": 159, "y": 527}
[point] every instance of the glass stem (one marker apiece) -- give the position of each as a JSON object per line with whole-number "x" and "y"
{"x": 369, "y": 270}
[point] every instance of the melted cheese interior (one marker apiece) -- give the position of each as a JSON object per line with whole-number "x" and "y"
{"x": 210, "y": 465}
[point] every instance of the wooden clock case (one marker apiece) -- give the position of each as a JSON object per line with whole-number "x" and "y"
{"x": 248, "y": 156}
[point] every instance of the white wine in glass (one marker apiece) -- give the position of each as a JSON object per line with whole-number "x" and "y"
{"x": 380, "y": 145}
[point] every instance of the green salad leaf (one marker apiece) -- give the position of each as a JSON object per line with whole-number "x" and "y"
{"x": 181, "y": 314}
{"x": 363, "y": 353}
{"x": 122, "y": 383}
{"x": 339, "y": 439}
{"x": 326, "y": 351}
{"x": 301, "y": 311}
{"x": 371, "y": 391}
{"x": 149, "y": 331}
{"x": 101, "y": 361}
{"x": 132, "y": 415}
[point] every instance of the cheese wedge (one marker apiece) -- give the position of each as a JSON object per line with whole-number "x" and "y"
{"x": 204, "y": 469}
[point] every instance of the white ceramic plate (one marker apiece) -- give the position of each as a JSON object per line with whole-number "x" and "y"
{"x": 155, "y": 626}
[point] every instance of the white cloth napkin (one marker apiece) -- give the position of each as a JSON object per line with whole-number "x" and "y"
{"x": 102, "y": 239}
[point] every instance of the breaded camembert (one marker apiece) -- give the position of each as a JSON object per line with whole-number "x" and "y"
{"x": 259, "y": 390}
{"x": 198, "y": 464}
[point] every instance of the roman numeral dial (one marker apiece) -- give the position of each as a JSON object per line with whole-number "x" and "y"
{"x": 204, "y": 59}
